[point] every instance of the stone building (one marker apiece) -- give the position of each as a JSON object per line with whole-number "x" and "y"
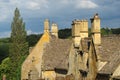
{"x": 79, "y": 58}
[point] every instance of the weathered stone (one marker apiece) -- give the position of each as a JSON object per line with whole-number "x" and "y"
{"x": 81, "y": 58}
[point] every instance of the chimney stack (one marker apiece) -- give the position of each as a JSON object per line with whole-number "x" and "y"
{"x": 46, "y": 25}
{"x": 54, "y": 30}
{"x": 95, "y": 29}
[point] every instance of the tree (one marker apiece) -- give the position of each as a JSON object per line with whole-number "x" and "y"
{"x": 4, "y": 51}
{"x": 64, "y": 33}
{"x": 33, "y": 39}
{"x": 115, "y": 30}
{"x": 5, "y": 68}
{"x": 19, "y": 46}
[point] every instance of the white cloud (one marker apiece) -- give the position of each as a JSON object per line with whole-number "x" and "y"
{"x": 31, "y": 32}
{"x": 33, "y": 5}
{"x": 3, "y": 17}
{"x": 43, "y": 7}
{"x": 87, "y": 4}
{"x": 4, "y": 11}
{"x": 65, "y": 1}
{"x": 79, "y": 4}
{"x": 5, "y": 34}
{"x": 7, "y": 7}
{"x": 59, "y": 10}
{"x": 37, "y": 4}
{"x": 30, "y": 4}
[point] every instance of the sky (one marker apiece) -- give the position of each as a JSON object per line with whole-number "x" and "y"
{"x": 62, "y": 12}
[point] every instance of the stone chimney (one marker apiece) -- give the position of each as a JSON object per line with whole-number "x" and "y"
{"x": 54, "y": 30}
{"x": 76, "y": 32}
{"x": 95, "y": 29}
{"x": 84, "y": 28}
{"x": 79, "y": 30}
{"x": 46, "y": 25}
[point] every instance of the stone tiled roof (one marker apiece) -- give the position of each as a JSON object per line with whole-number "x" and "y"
{"x": 56, "y": 54}
{"x": 110, "y": 52}
{"x": 112, "y": 64}
{"x": 117, "y": 72}
{"x": 109, "y": 46}
{"x": 57, "y": 51}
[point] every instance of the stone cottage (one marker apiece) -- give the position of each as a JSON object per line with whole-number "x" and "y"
{"x": 79, "y": 58}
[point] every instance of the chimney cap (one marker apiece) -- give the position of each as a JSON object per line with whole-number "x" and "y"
{"x": 46, "y": 19}
{"x": 95, "y": 17}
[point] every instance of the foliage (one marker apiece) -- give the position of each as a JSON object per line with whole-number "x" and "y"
{"x": 106, "y": 31}
{"x": 65, "y": 33}
{"x": 5, "y": 68}
{"x": 18, "y": 47}
{"x": 33, "y": 39}
{"x": 115, "y": 30}
{"x": 5, "y": 40}
{"x": 4, "y": 50}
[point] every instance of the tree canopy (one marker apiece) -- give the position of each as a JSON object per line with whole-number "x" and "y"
{"x": 19, "y": 47}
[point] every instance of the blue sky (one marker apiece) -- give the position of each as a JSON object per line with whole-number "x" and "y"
{"x": 62, "y": 12}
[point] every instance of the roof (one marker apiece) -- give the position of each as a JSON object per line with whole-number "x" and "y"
{"x": 110, "y": 52}
{"x": 116, "y": 73}
{"x": 109, "y": 46}
{"x": 57, "y": 51}
{"x": 112, "y": 65}
{"x": 56, "y": 54}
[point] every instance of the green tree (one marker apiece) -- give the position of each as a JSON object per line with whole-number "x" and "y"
{"x": 65, "y": 33}
{"x": 5, "y": 68}
{"x": 33, "y": 39}
{"x": 115, "y": 30}
{"x": 19, "y": 47}
{"x": 4, "y": 51}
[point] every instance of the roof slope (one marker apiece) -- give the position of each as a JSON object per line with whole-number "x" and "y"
{"x": 110, "y": 51}
{"x": 57, "y": 51}
{"x": 112, "y": 65}
{"x": 56, "y": 54}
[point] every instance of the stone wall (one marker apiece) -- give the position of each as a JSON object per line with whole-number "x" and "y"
{"x": 48, "y": 75}
{"x": 35, "y": 57}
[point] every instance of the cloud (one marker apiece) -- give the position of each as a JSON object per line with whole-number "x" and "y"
{"x": 33, "y": 5}
{"x": 7, "y": 7}
{"x": 4, "y": 11}
{"x": 86, "y": 4}
{"x": 36, "y": 8}
{"x": 3, "y": 17}
{"x": 36, "y": 4}
{"x": 31, "y": 32}
{"x": 62, "y": 12}
{"x": 66, "y": 2}
{"x": 5, "y": 34}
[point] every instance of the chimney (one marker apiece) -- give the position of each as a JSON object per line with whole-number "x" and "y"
{"x": 46, "y": 25}
{"x": 79, "y": 31}
{"x": 95, "y": 29}
{"x": 84, "y": 28}
{"x": 54, "y": 30}
{"x": 76, "y": 33}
